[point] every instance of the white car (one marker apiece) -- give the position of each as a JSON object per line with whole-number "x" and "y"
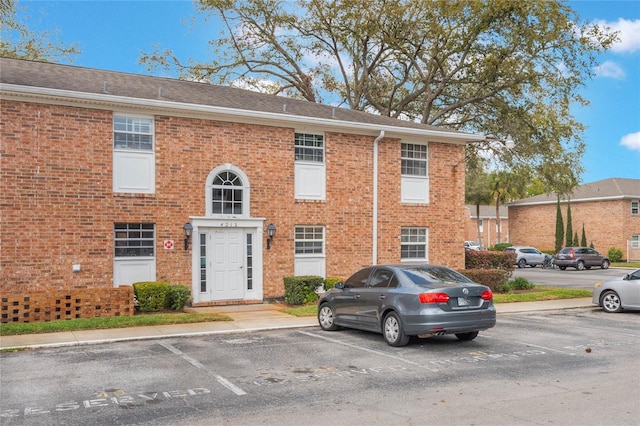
{"x": 618, "y": 294}
{"x": 527, "y": 256}
{"x": 472, "y": 245}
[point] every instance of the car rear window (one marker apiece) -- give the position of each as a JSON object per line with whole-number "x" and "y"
{"x": 424, "y": 276}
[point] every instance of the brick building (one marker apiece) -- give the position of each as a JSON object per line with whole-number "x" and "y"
{"x": 486, "y": 231}
{"x": 609, "y": 209}
{"x": 103, "y": 173}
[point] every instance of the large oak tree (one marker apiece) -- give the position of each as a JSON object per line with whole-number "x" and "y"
{"x": 497, "y": 67}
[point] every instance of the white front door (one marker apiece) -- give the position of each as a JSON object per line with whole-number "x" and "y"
{"x": 226, "y": 258}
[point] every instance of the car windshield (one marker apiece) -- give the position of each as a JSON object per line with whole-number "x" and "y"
{"x": 430, "y": 275}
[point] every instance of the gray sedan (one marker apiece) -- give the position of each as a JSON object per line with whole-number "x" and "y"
{"x": 618, "y": 294}
{"x": 406, "y": 300}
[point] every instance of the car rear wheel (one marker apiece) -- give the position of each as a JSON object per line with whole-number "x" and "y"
{"x": 611, "y": 302}
{"x": 522, "y": 263}
{"x": 392, "y": 330}
{"x": 467, "y": 336}
{"x": 562, "y": 268}
{"x": 326, "y": 318}
{"x": 580, "y": 265}
{"x": 605, "y": 264}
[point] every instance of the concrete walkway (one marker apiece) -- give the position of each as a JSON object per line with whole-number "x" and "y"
{"x": 245, "y": 319}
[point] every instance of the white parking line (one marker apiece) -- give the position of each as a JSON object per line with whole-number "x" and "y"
{"x": 530, "y": 344}
{"x": 224, "y": 382}
{"x": 406, "y": 361}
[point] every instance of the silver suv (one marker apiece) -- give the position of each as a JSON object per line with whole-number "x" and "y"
{"x": 581, "y": 258}
{"x": 527, "y": 256}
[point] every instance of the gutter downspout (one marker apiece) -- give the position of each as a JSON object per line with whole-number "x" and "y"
{"x": 375, "y": 199}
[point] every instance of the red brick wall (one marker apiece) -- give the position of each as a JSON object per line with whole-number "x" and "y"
{"x": 607, "y": 224}
{"x": 58, "y": 207}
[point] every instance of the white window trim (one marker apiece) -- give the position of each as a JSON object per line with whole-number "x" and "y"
{"x": 310, "y": 176}
{"x": 137, "y": 155}
{"x": 426, "y": 245}
{"x": 409, "y": 183}
{"x": 324, "y": 239}
{"x": 246, "y": 190}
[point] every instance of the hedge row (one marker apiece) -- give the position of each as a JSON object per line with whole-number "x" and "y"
{"x": 153, "y": 296}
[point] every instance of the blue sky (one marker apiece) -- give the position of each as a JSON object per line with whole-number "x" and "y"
{"x": 112, "y": 34}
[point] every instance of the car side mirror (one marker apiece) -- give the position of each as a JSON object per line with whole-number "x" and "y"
{"x": 627, "y": 277}
{"x": 339, "y": 286}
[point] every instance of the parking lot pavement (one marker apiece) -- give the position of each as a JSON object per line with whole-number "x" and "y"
{"x": 246, "y": 318}
{"x": 536, "y": 367}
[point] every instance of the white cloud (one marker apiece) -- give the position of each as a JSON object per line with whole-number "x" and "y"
{"x": 628, "y": 34}
{"x": 631, "y": 141}
{"x": 610, "y": 69}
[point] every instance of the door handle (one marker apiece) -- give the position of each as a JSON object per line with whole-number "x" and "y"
{"x": 357, "y": 296}
{"x": 382, "y": 297}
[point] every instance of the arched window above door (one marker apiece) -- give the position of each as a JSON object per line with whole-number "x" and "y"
{"x": 227, "y": 192}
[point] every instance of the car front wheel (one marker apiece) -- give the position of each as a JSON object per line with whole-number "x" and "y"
{"x": 605, "y": 264}
{"x": 611, "y": 302}
{"x": 580, "y": 265}
{"x": 467, "y": 336}
{"x": 392, "y": 330}
{"x": 326, "y": 318}
{"x": 562, "y": 268}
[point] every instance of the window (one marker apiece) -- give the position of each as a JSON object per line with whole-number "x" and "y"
{"x": 309, "y": 167}
{"x": 414, "y": 173}
{"x": 134, "y": 239}
{"x": 359, "y": 279}
{"x": 309, "y": 240}
{"x": 133, "y": 154}
{"x": 203, "y": 263}
{"x": 134, "y": 133}
{"x": 309, "y": 256}
{"x": 414, "y": 160}
{"x": 383, "y": 278}
{"x": 413, "y": 244}
{"x": 309, "y": 147}
{"x": 226, "y": 196}
{"x": 227, "y": 192}
{"x": 249, "y": 261}
{"x": 635, "y": 207}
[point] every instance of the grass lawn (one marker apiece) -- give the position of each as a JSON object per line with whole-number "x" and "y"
{"x": 10, "y": 329}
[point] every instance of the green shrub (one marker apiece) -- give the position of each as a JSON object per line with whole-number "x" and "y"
{"x": 614, "y": 254}
{"x": 501, "y": 246}
{"x": 301, "y": 290}
{"x": 178, "y": 296}
{"x": 478, "y": 259}
{"x": 330, "y": 283}
{"x": 151, "y": 295}
{"x": 519, "y": 283}
{"x": 495, "y": 279}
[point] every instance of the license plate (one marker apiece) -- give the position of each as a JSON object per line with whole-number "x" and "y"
{"x": 463, "y": 302}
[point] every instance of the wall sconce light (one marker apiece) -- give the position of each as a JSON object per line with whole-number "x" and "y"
{"x": 188, "y": 230}
{"x": 271, "y": 231}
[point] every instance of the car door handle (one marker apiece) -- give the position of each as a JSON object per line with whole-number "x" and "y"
{"x": 357, "y": 296}
{"x": 382, "y": 297}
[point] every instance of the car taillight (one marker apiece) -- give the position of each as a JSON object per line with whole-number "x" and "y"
{"x": 571, "y": 254}
{"x": 434, "y": 298}
{"x": 487, "y": 295}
